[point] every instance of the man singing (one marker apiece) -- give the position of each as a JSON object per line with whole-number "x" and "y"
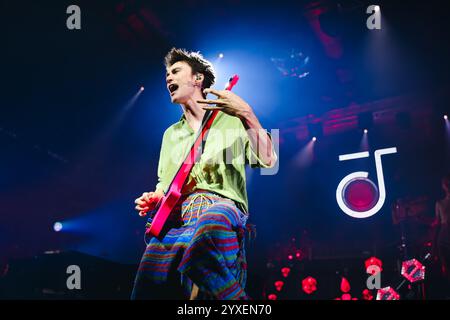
{"x": 205, "y": 242}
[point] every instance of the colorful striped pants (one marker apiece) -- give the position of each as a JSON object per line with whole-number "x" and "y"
{"x": 206, "y": 247}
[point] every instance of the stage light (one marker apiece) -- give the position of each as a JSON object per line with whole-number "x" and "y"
{"x": 367, "y": 295}
{"x": 220, "y": 55}
{"x": 413, "y": 270}
{"x": 305, "y": 156}
{"x": 272, "y": 297}
{"x": 290, "y": 257}
{"x": 346, "y": 296}
{"x": 57, "y": 226}
{"x": 345, "y": 285}
{"x": 279, "y": 285}
{"x": 315, "y": 130}
{"x": 445, "y": 117}
{"x": 285, "y": 271}
{"x": 387, "y": 294}
{"x": 373, "y": 261}
{"x": 309, "y": 285}
{"x": 142, "y": 88}
{"x": 364, "y": 144}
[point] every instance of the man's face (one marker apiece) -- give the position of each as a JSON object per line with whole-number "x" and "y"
{"x": 180, "y": 82}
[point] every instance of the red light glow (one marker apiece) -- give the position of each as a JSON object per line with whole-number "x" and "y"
{"x": 309, "y": 285}
{"x": 345, "y": 285}
{"x": 285, "y": 271}
{"x": 279, "y": 285}
{"x": 373, "y": 261}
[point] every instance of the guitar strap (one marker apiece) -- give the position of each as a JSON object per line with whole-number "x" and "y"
{"x": 199, "y": 144}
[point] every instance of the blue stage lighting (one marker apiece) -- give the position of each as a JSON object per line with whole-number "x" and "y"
{"x": 57, "y": 226}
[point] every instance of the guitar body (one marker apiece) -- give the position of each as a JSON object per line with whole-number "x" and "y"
{"x": 169, "y": 201}
{"x": 164, "y": 209}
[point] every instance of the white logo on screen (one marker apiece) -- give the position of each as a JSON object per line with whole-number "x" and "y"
{"x": 363, "y": 175}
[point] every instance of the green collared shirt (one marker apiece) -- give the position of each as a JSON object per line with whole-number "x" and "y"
{"x": 221, "y": 168}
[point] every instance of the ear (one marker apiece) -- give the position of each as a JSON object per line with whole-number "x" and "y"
{"x": 199, "y": 77}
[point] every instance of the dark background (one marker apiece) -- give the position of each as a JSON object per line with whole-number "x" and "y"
{"x": 72, "y": 151}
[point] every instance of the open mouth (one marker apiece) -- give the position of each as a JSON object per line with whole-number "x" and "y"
{"x": 172, "y": 88}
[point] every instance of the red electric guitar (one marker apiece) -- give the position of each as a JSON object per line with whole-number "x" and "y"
{"x": 165, "y": 206}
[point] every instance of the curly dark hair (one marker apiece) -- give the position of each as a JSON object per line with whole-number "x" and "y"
{"x": 196, "y": 61}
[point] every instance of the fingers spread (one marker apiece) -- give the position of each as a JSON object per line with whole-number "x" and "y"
{"x": 214, "y": 92}
{"x": 211, "y": 101}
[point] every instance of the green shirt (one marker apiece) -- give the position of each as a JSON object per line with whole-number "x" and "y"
{"x": 221, "y": 168}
